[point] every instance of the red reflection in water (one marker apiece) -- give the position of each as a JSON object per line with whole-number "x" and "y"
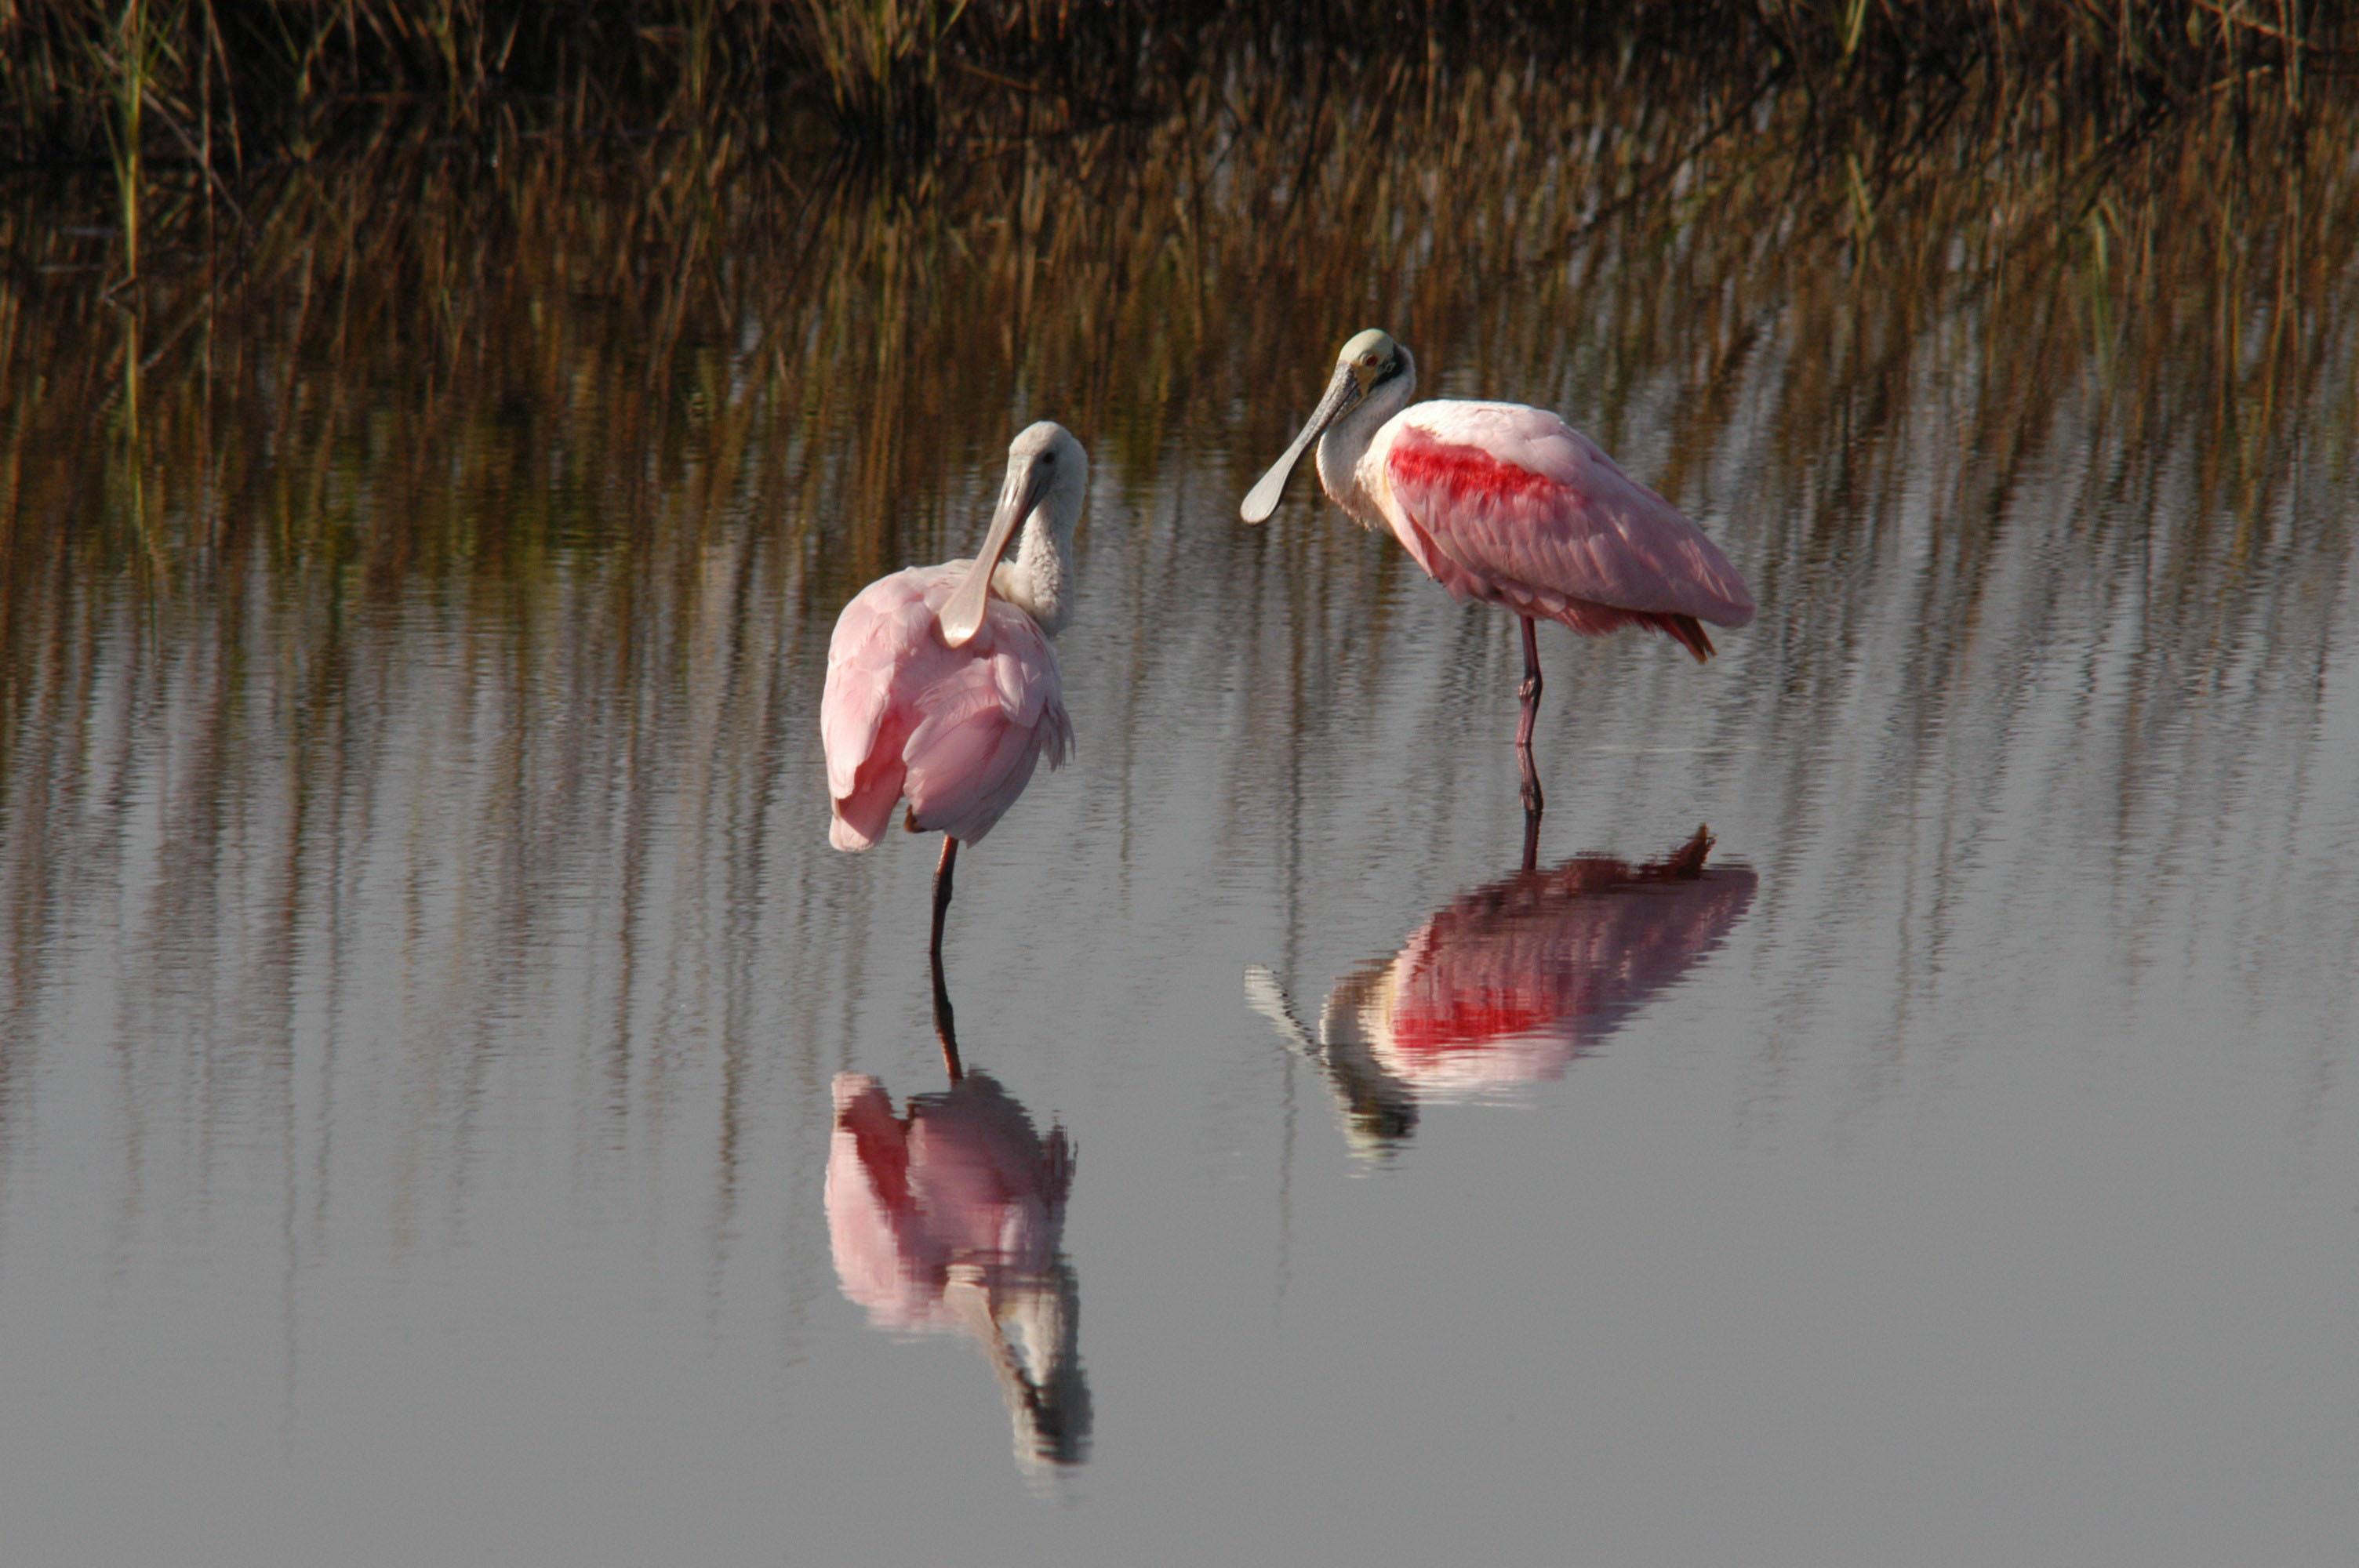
{"x": 1511, "y": 981}
{"x": 950, "y": 1216}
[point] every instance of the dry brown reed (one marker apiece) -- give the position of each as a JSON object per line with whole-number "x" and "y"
{"x": 229, "y": 80}
{"x": 519, "y": 353}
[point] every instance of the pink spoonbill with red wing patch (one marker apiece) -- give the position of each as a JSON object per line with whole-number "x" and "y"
{"x": 1508, "y": 504}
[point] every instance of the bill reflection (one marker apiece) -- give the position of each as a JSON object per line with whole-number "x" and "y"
{"x": 951, "y": 1216}
{"x": 1507, "y": 984}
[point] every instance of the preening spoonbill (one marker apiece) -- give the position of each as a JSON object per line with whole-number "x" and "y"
{"x": 1510, "y": 504}
{"x": 1509, "y": 983}
{"x": 942, "y": 686}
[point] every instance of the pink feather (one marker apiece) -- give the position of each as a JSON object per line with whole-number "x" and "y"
{"x": 957, "y": 732}
{"x": 1509, "y": 504}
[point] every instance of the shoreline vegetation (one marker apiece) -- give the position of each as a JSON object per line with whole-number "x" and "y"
{"x": 222, "y": 85}
{"x": 643, "y": 301}
{"x": 672, "y": 311}
{"x": 175, "y": 122}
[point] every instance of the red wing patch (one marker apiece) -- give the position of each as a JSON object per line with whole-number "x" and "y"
{"x": 1462, "y": 472}
{"x": 1455, "y": 472}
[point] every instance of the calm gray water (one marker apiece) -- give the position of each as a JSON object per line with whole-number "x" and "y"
{"x": 426, "y": 984}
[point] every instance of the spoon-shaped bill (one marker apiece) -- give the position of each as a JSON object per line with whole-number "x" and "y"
{"x": 1262, "y": 499}
{"x": 961, "y": 615}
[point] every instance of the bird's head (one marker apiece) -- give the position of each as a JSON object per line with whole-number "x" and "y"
{"x": 1371, "y": 366}
{"x": 1047, "y": 473}
{"x": 1370, "y": 357}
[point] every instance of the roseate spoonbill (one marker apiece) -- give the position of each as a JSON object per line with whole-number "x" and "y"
{"x": 942, "y": 686}
{"x": 1510, "y": 504}
{"x": 952, "y": 1216}
{"x": 1509, "y": 983}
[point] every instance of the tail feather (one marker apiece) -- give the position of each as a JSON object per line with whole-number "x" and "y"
{"x": 1686, "y": 631}
{"x": 1592, "y": 618}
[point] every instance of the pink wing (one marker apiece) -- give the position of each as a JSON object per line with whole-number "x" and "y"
{"x": 956, "y": 731}
{"x": 1504, "y": 502}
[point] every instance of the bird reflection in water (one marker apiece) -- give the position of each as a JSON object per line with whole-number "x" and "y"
{"x": 1509, "y": 983}
{"x": 952, "y": 1215}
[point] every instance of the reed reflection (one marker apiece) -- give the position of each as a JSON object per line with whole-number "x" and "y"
{"x": 1509, "y": 983}
{"x": 951, "y": 1216}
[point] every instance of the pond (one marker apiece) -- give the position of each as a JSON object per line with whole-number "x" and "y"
{"x": 455, "y": 1105}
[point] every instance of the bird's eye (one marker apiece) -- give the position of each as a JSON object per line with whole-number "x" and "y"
{"x": 1048, "y": 459}
{"x": 1369, "y": 360}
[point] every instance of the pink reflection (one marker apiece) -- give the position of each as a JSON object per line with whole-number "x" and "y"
{"x": 1510, "y": 982}
{"x": 951, "y": 1216}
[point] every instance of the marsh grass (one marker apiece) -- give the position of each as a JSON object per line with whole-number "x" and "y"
{"x": 129, "y": 61}
{"x": 704, "y": 314}
{"x": 224, "y": 86}
{"x": 294, "y": 77}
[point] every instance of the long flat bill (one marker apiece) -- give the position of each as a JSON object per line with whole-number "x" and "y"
{"x": 1262, "y": 498}
{"x": 961, "y": 615}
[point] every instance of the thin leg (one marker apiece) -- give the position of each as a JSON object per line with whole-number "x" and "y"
{"x": 1534, "y": 803}
{"x": 942, "y": 891}
{"x": 945, "y": 1026}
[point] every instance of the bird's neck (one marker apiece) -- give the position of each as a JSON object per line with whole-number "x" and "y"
{"x": 1346, "y": 442}
{"x": 1038, "y": 581}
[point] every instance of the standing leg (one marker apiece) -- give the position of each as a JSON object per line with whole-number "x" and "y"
{"x": 945, "y": 1024}
{"x": 942, "y": 891}
{"x": 1530, "y": 692}
{"x": 945, "y": 1028}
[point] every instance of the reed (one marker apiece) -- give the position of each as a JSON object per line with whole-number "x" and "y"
{"x": 1146, "y": 271}
{"x": 912, "y": 74}
{"x": 129, "y": 58}
{"x": 881, "y": 61}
